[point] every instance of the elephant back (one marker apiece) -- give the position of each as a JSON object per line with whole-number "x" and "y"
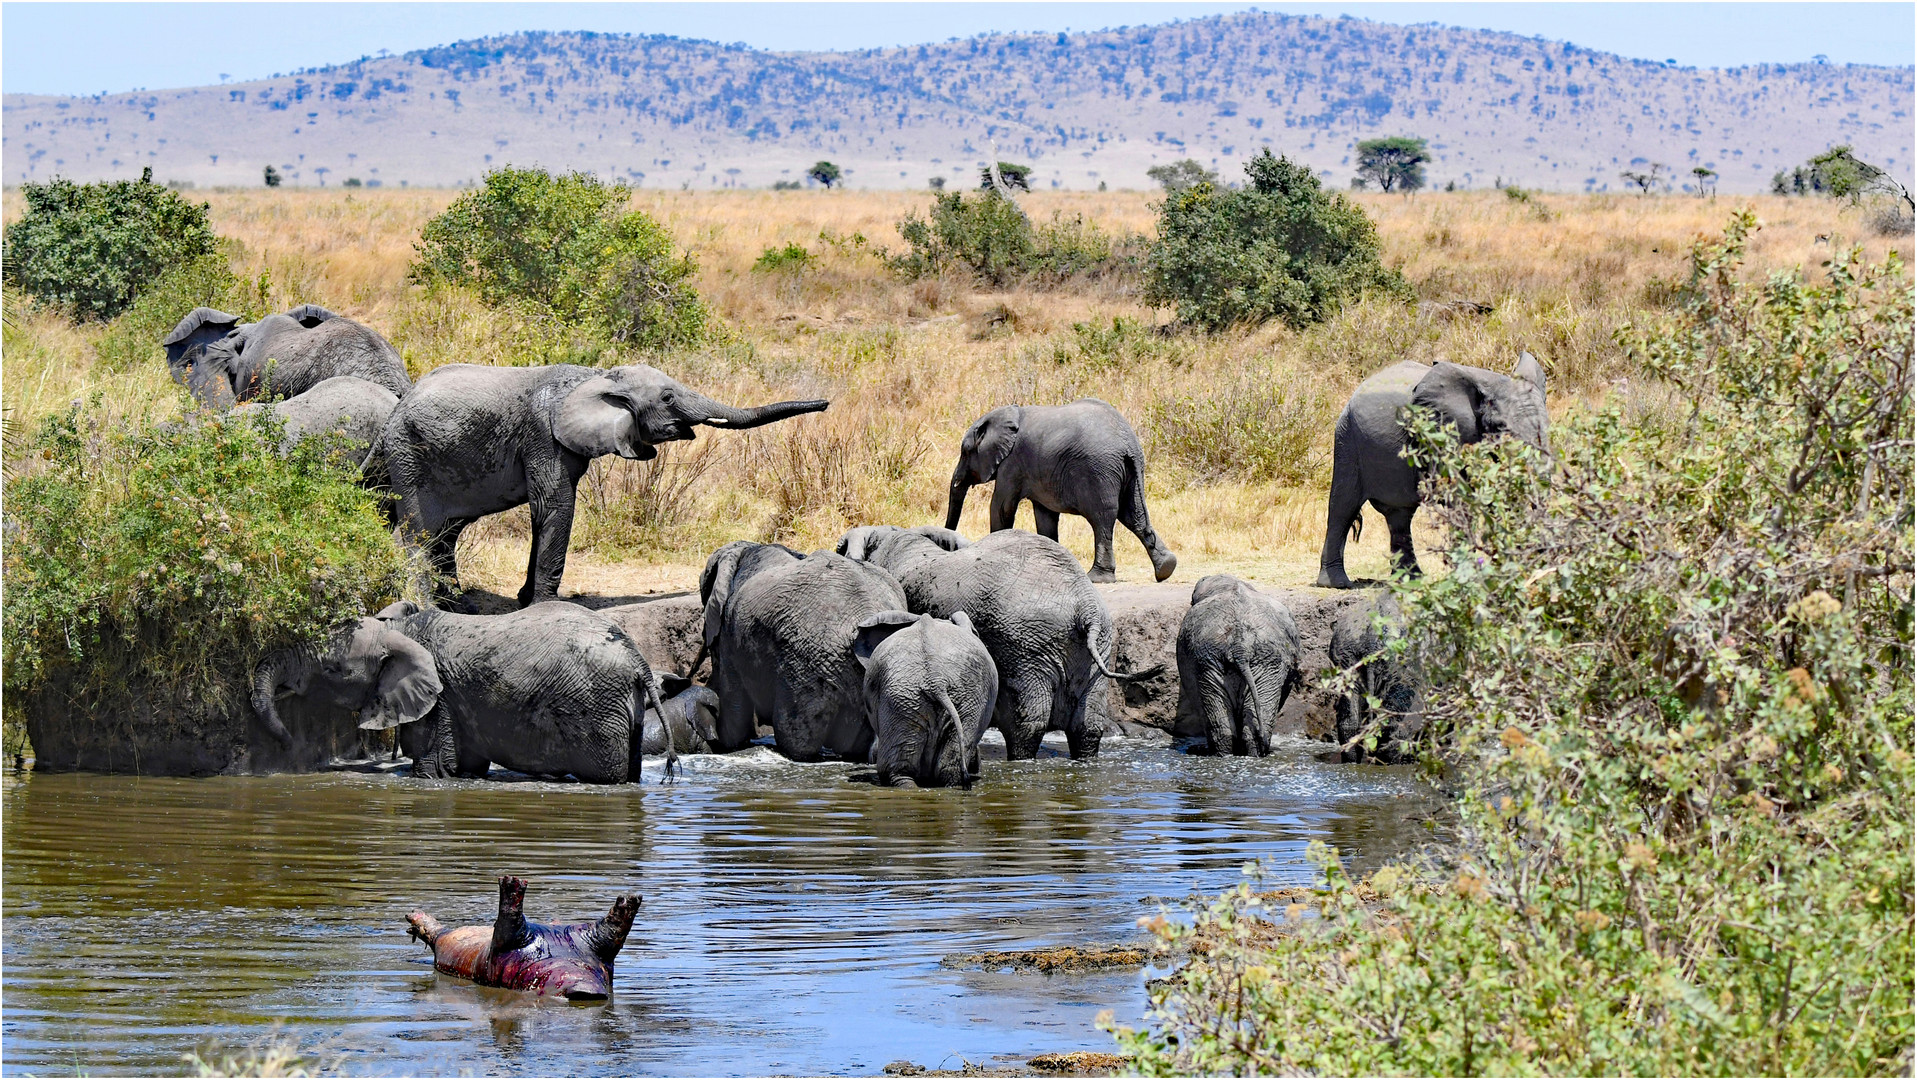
{"x": 283, "y": 358}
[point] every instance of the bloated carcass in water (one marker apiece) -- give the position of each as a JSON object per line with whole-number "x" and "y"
{"x": 570, "y": 960}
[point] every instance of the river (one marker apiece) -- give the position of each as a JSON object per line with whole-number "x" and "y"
{"x": 794, "y": 915}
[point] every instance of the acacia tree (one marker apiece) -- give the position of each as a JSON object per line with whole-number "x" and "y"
{"x": 1180, "y": 175}
{"x": 1706, "y": 178}
{"x": 1015, "y": 176}
{"x": 1394, "y": 164}
{"x": 1647, "y": 179}
{"x": 824, "y": 172}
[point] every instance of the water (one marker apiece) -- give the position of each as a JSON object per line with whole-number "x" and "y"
{"x": 793, "y": 920}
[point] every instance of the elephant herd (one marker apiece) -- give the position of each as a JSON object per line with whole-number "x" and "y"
{"x": 899, "y": 648}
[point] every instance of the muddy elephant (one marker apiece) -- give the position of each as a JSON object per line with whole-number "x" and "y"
{"x": 1083, "y": 459}
{"x": 1369, "y": 638}
{"x": 221, "y": 360}
{"x": 1366, "y": 460}
{"x": 1046, "y": 628}
{"x": 784, "y": 629}
{"x": 930, "y": 687}
{"x": 551, "y": 690}
{"x": 687, "y": 712}
{"x": 471, "y": 441}
{"x": 354, "y": 407}
{"x": 1238, "y": 653}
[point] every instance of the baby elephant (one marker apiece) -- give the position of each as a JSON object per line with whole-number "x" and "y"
{"x": 690, "y": 711}
{"x": 355, "y": 408}
{"x": 1237, "y": 663}
{"x": 930, "y": 688}
{"x": 1362, "y": 639}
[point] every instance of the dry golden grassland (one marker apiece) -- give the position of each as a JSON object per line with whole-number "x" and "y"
{"x": 1236, "y": 426}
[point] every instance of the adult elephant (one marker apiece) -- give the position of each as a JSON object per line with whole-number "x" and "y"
{"x": 1044, "y": 625}
{"x": 1368, "y": 640}
{"x": 471, "y": 441}
{"x": 352, "y": 406}
{"x": 1238, "y": 653}
{"x": 784, "y": 629}
{"x": 551, "y": 690}
{"x": 1366, "y": 460}
{"x": 1083, "y": 458}
{"x": 930, "y": 688}
{"x": 221, "y": 360}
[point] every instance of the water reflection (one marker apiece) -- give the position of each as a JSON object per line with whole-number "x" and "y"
{"x": 793, "y": 918}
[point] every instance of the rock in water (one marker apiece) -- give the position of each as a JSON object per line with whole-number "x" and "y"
{"x": 571, "y": 960}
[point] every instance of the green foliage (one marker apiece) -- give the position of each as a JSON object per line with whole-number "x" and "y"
{"x": 94, "y": 248}
{"x": 824, "y": 172}
{"x": 1395, "y": 163}
{"x": 990, "y": 237}
{"x": 1670, "y": 682}
{"x": 565, "y": 249}
{"x": 791, "y": 258}
{"x": 178, "y": 556}
{"x": 1180, "y": 175}
{"x": 1282, "y": 248}
{"x": 1016, "y": 177}
{"x": 133, "y": 338}
{"x": 787, "y": 185}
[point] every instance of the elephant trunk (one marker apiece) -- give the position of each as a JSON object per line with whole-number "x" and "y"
{"x": 266, "y": 678}
{"x": 701, "y": 409}
{"x": 955, "y": 504}
{"x": 903, "y": 781}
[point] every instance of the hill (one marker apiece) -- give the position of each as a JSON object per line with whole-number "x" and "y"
{"x": 1084, "y": 108}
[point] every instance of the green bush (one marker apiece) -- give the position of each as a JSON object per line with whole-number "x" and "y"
{"x": 94, "y": 248}
{"x": 133, "y": 338}
{"x": 168, "y": 561}
{"x": 1670, "y": 685}
{"x": 791, "y": 258}
{"x": 566, "y": 249}
{"x": 1281, "y": 248}
{"x": 989, "y": 236}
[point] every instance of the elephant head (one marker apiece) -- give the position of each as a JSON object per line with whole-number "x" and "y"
{"x": 883, "y": 544}
{"x": 697, "y": 704}
{"x": 919, "y": 746}
{"x": 371, "y": 668}
{"x": 310, "y": 315}
{"x": 628, "y": 410}
{"x": 199, "y": 354}
{"x": 1483, "y": 404}
{"x": 986, "y": 445}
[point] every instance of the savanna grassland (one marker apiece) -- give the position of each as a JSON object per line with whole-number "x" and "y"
{"x": 1236, "y": 426}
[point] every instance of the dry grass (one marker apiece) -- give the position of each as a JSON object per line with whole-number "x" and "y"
{"x": 909, "y": 364}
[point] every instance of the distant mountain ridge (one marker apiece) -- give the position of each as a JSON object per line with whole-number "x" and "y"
{"x": 1101, "y": 106}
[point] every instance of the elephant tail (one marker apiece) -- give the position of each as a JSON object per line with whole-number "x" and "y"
{"x": 1264, "y": 693}
{"x": 1357, "y": 528}
{"x": 645, "y": 698}
{"x": 1105, "y": 669}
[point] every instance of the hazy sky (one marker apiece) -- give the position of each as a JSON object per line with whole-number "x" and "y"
{"x": 84, "y": 48}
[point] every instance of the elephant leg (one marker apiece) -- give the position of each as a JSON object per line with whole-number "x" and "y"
{"x": 1085, "y": 728}
{"x": 1005, "y": 500}
{"x": 1104, "y": 566}
{"x": 1341, "y": 512}
{"x": 1214, "y": 699}
{"x": 1023, "y": 713}
{"x": 1398, "y": 520}
{"x": 1132, "y": 512}
{"x": 736, "y": 727}
{"x": 550, "y": 494}
{"x": 798, "y": 730}
{"x": 1045, "y": 521}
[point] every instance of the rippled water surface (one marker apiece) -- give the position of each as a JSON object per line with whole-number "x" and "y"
{"x": 793, "y": 920}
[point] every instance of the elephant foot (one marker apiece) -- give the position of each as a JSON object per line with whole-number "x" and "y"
{"x": 1333, "y": 577}
{"x": 1164, "y": 564}
{"x": 1102, "y": 575}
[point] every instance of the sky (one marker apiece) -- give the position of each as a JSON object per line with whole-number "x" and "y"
{"x": 86, "y": 48}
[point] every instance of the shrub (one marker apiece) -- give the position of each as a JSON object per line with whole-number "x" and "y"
{"x": 1670, "y": 685}
{"x": 791, "y": 258}
{"x": 1282, "y": 248}
{"x": 134, "y": 337}
{"x": 989, "y": 236}
{"x": 95, "y": 247}
{"x": 565, "y": 249}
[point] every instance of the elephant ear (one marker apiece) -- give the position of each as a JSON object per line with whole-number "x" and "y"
{"x": 409, "y": 684}
{"x": 672, "y": 684}
{"x": 310, "y": 315}
{"x": 1530, "y": 371}
{"x": 202, "y": 326}
{"x": 398, "y": 609}
{"x": 991, "y": 440}
{"x": 964, "y": 622}
{"x": 715, "y": 586}
{"x": 948, "y": 539}
{"x": 859, "y": 541}
{"x": 1455, "y": 393}
{"x": 597, "y": 419}
{"x": 874, "y": 629}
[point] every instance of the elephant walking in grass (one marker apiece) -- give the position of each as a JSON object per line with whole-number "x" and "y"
{"x": 471, "y": 441}
{"x": 1045, "y": 627}
{"x": 1238, "y": 653}
{"x": 221, "y": 360}
{"x": 1365, "y": 639}
{"x": 1366, "y": 460}
{"x": 1083, "y": 459}
{"x": 551, "y": 690}
{"x": 930, "y": 687}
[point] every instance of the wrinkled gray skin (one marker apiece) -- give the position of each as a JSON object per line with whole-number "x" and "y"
{"x": 221, "y": 360}
{"x": 1238, "y": 653}
{"x": 781, "y": 630}
{"x": 551, "y": 690}
{"x": 1359, "y": 638}
{"x": 1082, "y": 458}
{"x": 930, "y": 687}
{"x": 350, "y": 405}
{"x": 471, "y": 441}
{"x": 691, "y": 712}
{"x": 1365, "y": 461}
{"x": 1044, "y": 625}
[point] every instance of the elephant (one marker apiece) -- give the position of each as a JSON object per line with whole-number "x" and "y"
{"x": 553, "y": 689}
{"x": 1367, "y": 464}
{"x": 1044, "y": 625}
{"x": 1360, "y": 639}
{"x": 221, "y": 360}
{"x": 471, "y": 441}
{"x": 1238, "y": 652}
{"x": 347, "y": 404}
{"x": 783, "y": 629}
{"x": 1083, "y": 458}
{"x": 689, "y": 711}
{"x": 930, "y": 687}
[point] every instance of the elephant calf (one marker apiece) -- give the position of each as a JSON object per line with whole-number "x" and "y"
{"x": 1238, "y": 656}
{"x": 1360, "y": 640}
{"x": 688, "y": 711}
{"x": 1083, "y": 459}
{"x": 352, "y": 406}
{"x": 930, "y": 688}
{"x": 553, "y": 689}
{"x": 221, "y": 360}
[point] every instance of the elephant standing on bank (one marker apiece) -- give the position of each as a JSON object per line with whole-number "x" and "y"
{"x": 550, "y": 690}
{"x": 1362, "y": 639}
{"x": 782, "y": 629}
{"x": 1238, "y": 652}
{"x": 221, "y": 360}
{"x": 471, "y": 441}
{"x": 1083, "y": 458}
{"x": 1046, "y": 628}
{"x": 930, "y": 687}
{"x": 1366, "y": 463}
